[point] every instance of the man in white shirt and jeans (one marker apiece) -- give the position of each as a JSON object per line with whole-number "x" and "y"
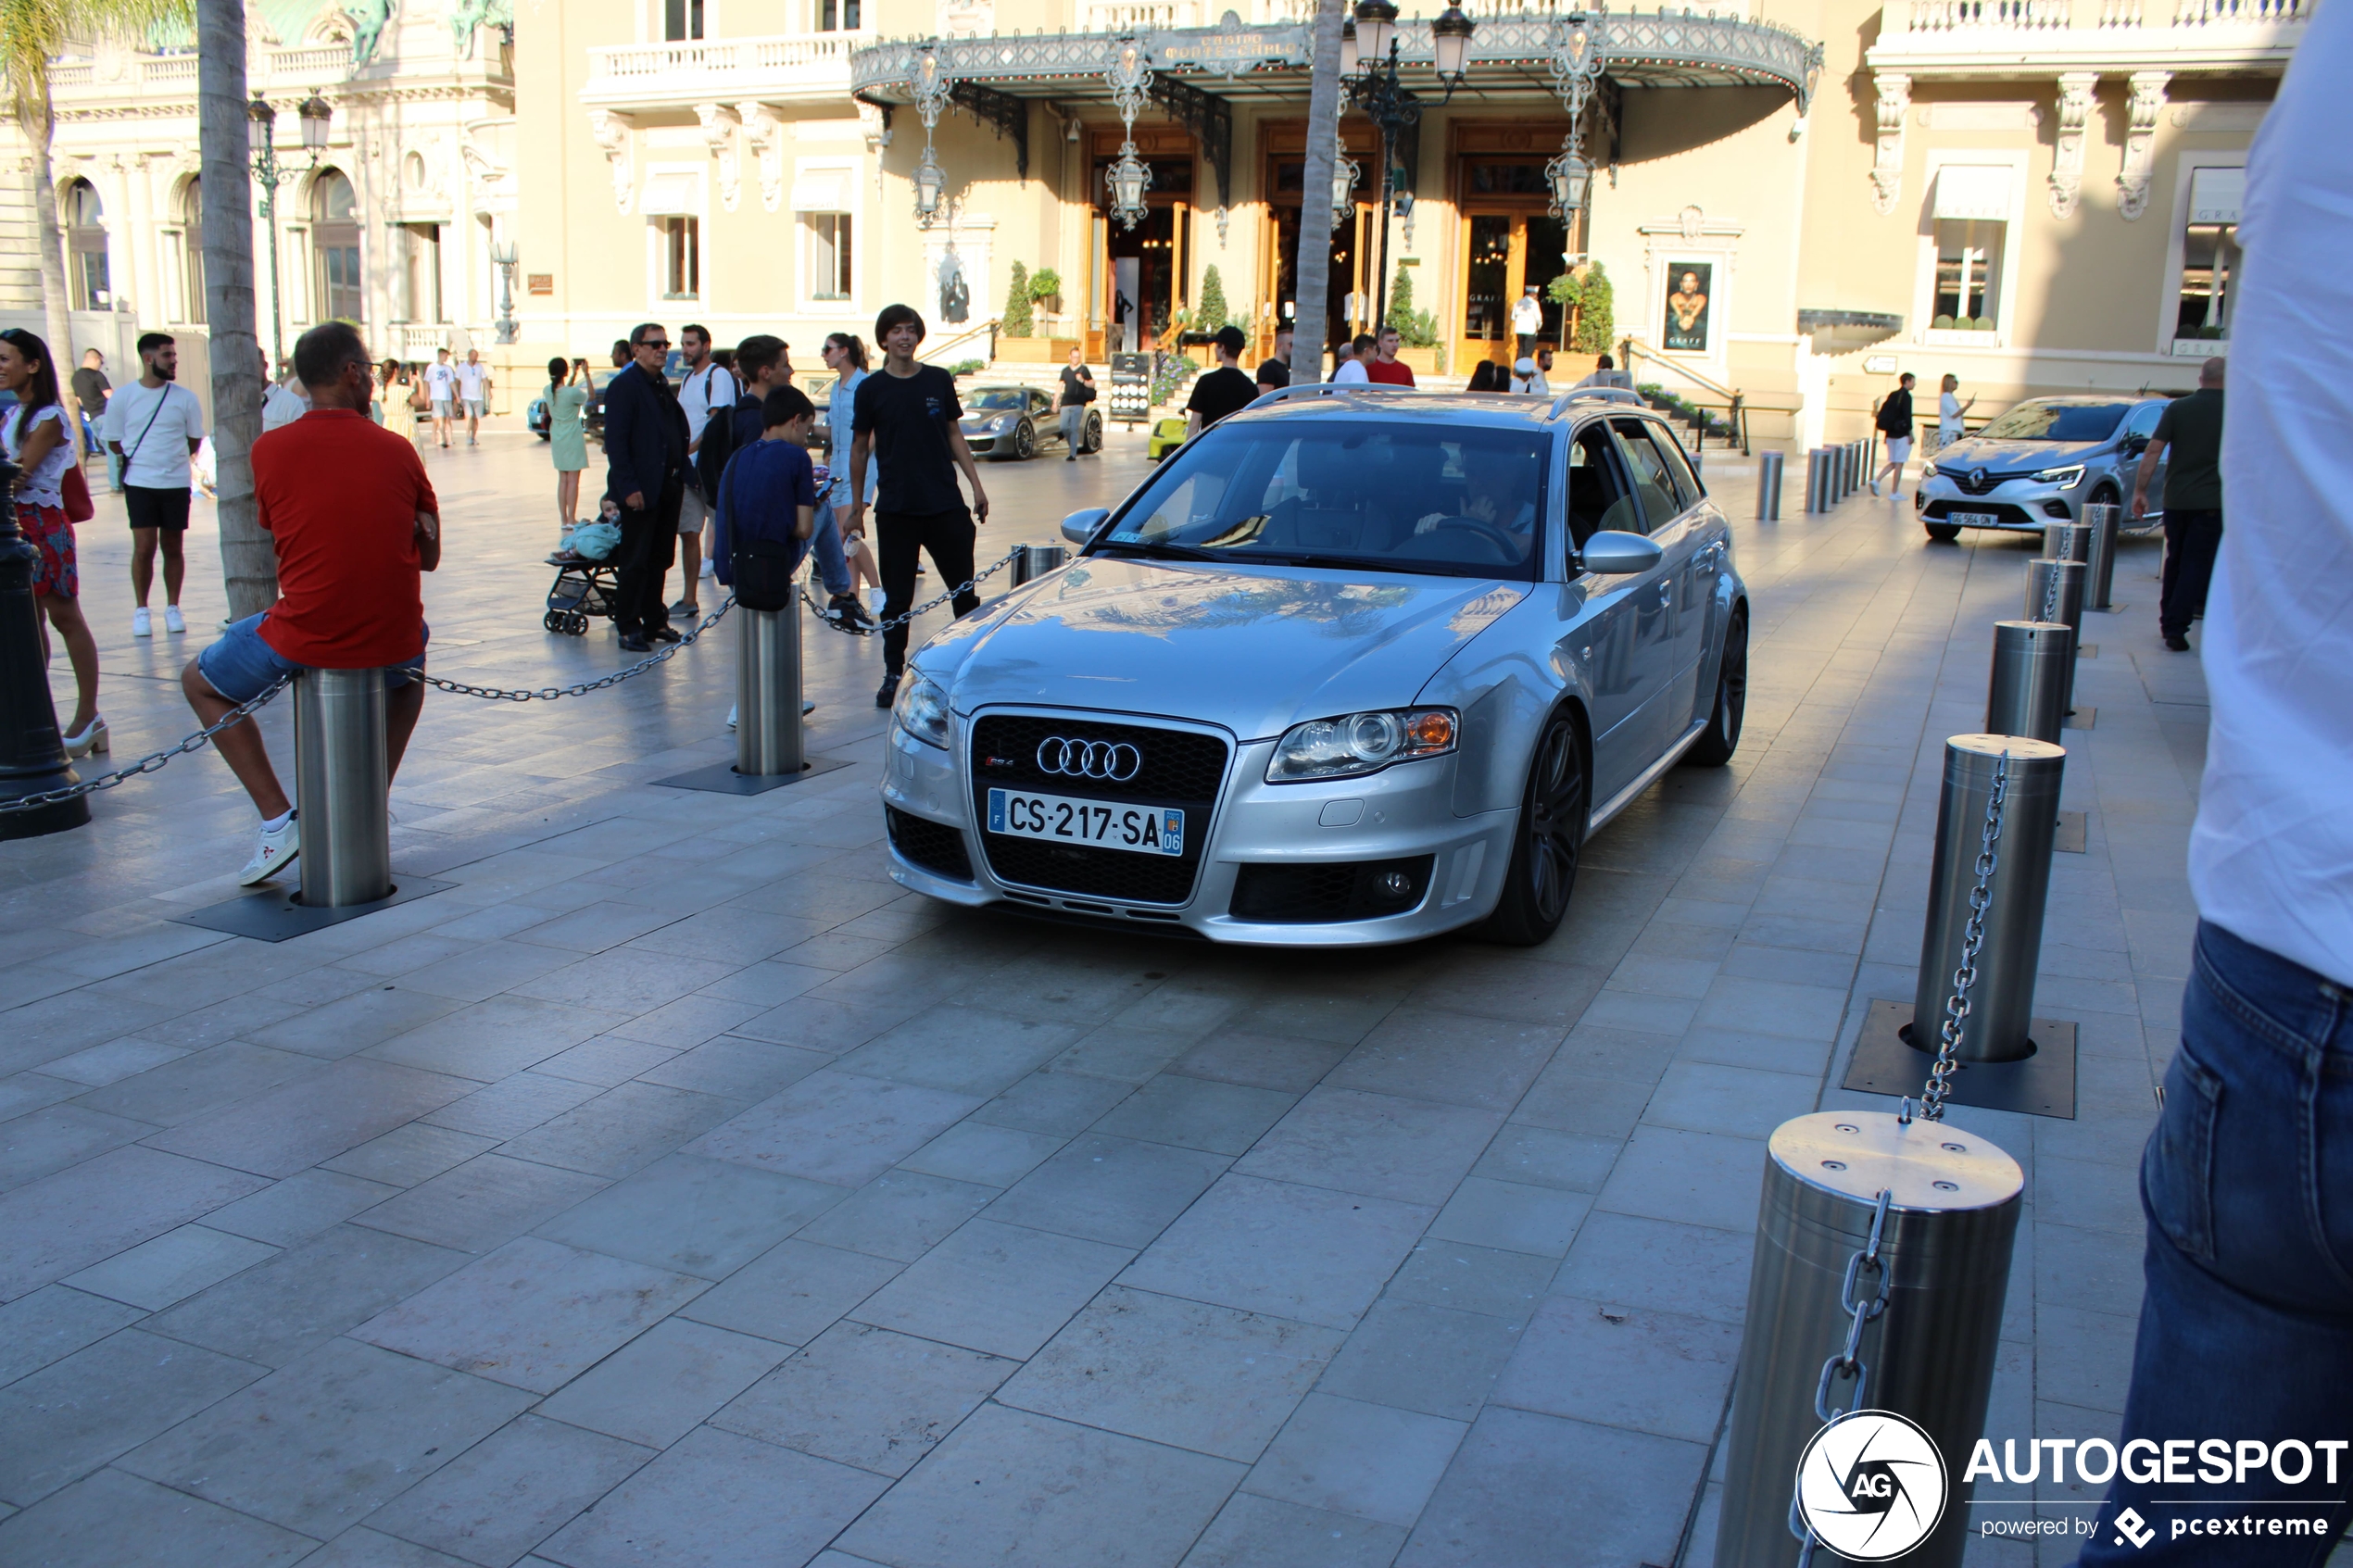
{"x": 154, "y": 426}
{"x": 2246, "y": 1322}
{"x": 441, "y": 390}
{"x": 709, "y": 388}
{"x": 473, "y": 391}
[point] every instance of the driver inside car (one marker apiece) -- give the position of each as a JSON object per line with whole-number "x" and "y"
{"x": 1499, "y": 496}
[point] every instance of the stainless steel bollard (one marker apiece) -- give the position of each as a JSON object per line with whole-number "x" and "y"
{"x": 342, "y": 788}
{"x": 2064, "y": 605}
{"x": 2026, "y": 695}
{"x": 2001, "y": 1004}
{"x": 1817, "y": 479}
{"x": 2099, "y": 576}
{"x": 2067, "y": 541}
{"x": 1841, "y": 472}
{"x": 1952, "y": 1221}
{"x": 1769, "y": 487}
{"x": 1034, "y": 562}
{"x": 768, "y": 692}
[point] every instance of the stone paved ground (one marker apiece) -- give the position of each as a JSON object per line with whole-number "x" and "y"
{"x": 676, "y": 1191}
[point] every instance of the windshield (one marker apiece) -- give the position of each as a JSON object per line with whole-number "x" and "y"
{"x": 2057, "y": 421}
{"x": 1443, "y": 500}
{"x": 993, "y": 400}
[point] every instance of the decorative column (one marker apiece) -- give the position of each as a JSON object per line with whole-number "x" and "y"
{"x": 2067, "y": 159}
{"x": 1887, "y": 166}
{"x": 719, "y": 124}
{"x": 611, "y": 134}
{"x": 2133, "y": 183}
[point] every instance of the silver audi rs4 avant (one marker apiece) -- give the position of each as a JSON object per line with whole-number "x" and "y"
{"x": 1359, "y": 665}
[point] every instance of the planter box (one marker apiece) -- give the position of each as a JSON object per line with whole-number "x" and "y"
{"x": 1035, "y": 350}
{"x": 1421, "y": 361}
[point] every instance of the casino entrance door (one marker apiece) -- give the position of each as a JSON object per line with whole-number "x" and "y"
{"x": 1509, "y": 239}
{"x": 1348, "y": 293}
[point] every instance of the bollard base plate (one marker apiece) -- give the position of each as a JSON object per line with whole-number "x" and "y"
{"x": 2080, "y": 719}
{"x": 275, "y": 913}
{"x": 721, "y": 778}
{"x": 2043, "y": 1084}
{"x": 2071, "y": 835}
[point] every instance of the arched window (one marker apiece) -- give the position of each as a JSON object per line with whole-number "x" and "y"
{"x": 335, "y": 238}
{"x": 86, "y": 247}
{"x": 192, "y": 250}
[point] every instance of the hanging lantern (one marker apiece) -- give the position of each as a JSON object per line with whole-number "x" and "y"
{"x": 1451, "y": 35}
{"x": 1376, "y": 29}
{"x": 931, "y": 181}
{"x": 1128, "y": 179}
{"x": 1344, "y": 176}
{"x": 1130, "y": 80}
{"x": 930, "y": 87}
{"x": 1348, "y": 51}
{"x": 315, "y": 114}
{"x": 1569, "y": 176}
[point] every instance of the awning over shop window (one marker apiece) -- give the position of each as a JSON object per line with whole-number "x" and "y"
{"x": 2216, "y": 195}
{"x": 671, "y": 194}
{"x": 1974, "y": 192}
{"x": 823, "y": 191}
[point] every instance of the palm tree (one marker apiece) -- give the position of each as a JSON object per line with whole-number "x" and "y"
{"x": 248, "y": 560}
{"x": 1314, "y": 263}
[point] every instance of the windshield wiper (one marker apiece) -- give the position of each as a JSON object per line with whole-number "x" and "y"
{"x": 1164, "y": 550}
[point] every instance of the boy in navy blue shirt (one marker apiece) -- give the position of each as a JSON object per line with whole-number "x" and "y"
{"x": 770, "y": 489}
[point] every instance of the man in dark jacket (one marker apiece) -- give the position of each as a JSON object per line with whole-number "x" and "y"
{"x": 646, "y": 471}
{"x": 1894, "y": 424}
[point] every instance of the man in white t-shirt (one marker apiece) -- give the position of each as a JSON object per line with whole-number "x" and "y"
{"x": 709, "y": 388}
{"x": 2246, "y": 1317}
{"x": 1350, "y": 370}
{"x": 441, "y": 390}
{"x": 153, "y": 427}
{"x": 473, "y": 391}
{"x": 1528, "y": 320}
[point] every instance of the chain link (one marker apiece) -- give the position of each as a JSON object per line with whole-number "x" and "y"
{"x": 2050, "y": 594}
{"x": 147, "y": 764}
{"x": 855, "y": 630}
{"x": 1957, "y": 1010}
{"x": 549, "y": 694}
{"x": 1847, "y": 1360}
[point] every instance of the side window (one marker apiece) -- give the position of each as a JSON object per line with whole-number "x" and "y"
{"x": 2142, "y": 422}
{"x": 1687, "y": 488}
{"x": 1653, "y": 483}
{"x": 1598, "y": 498}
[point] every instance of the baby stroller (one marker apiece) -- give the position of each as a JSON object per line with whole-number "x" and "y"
{"x": 585, "y": 585}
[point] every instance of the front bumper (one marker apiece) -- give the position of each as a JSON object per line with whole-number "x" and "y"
{"x": 1404, "y": 811}
{"x": 2021, "y": 505}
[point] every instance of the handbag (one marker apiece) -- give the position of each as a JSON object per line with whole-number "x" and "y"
{"x": 75, "y": 490}
{"x": 763, "y": 574}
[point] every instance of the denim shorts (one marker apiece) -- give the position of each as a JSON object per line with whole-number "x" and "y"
{"x": 241, "y": 666}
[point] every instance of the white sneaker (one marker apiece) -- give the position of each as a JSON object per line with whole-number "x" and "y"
{"x": 707, "y": 570}
{"x": 142, "y": 624}
{"x": 274, "y": 854}
{"x": 1875, "y": 487}
{"x": 731, "y": 716}
{"x": 173, "y": 620}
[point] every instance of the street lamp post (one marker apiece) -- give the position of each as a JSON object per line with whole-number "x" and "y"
{"x": 1579, "y": 59}
{"x": 269, "y": 174}
{"x": 503, "y": 255}
{"x": 1392, "y": 106}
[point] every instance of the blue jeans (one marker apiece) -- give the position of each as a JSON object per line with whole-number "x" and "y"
{"x": 2246, "y": 1329}
{"x": 240, "y": 666}
{"x": 832, "y": 569}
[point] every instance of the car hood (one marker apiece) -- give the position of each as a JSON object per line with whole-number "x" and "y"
{"x": 2013, "y": 457}
{"x": 1253, "y": 649}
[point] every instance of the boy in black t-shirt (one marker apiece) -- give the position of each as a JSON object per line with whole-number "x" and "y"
{"x": 1078, "y": 390}
{"x": 905, "y": 417}
{"x": 1224, "y": 391}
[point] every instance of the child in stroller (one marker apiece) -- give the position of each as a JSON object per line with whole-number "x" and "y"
{"x": 586, "y": 578}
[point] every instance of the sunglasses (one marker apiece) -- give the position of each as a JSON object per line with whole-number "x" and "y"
{"x": 661, "y": 344}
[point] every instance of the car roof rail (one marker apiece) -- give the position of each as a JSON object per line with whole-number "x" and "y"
{"x": 1341, "y": 389}
{"x": 1577, "y": 395}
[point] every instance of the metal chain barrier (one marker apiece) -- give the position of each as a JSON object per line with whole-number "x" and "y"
{"x": 855, "y": 630}
{"x": 1846, "y": 1361}
{"x": 1940, "y": 1076}
{"x": 147, "y": 764}
{"x": 549, "y": 694}
{"x": 2050, "y": 595}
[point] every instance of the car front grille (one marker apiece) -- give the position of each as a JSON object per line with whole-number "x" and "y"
{"x": 1969, "y": 483}
{"x": 1327, "y": 892}
{"x": 1178, "y": 767}
{"x": 936, "y": 847}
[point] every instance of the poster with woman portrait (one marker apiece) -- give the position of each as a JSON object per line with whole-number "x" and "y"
{"x": 1690, "y": 284}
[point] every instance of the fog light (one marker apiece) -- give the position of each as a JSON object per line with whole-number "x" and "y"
{"x": 1395, "y": 884}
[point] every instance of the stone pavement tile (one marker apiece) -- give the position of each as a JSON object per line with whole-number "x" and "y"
{"x": 1641, "y": 1012}
{"x": 509, "y": 1492}
{"x": 68, "y": 1220}
{"x": 1012, "y": 1488}
{"x": 815, "y": 1024}
{"x": 901, "y": 1214}
{"x": 1201, "y": 1377}
{"x": 112, "y": 1519}
{"x": 487, "y": 1201}
{"x": 59, "y": 1026}
{"x": 744, "y": 1070}
{"x": 843, "y": 1128}
{"x": 99, "y": 1065}
{"x": 1416, "y": 1357}
{"x": 592, "y": 928}
{"x": 401, "y": 954}
{"x": 1220, "y": 1118}
{"x": 193, "y": 1085}
{"x": 1261, "y": 1061}
{"x": 1004, "y": 1289}
{"x": 362, "y": 1547}
{"x": 718, "y": 1500}
{"x": 1459, "y": 1059}
{"x": 2082, "y": 1359}
{"x": 353, "y": 1022}
{"x": 1059, "y": 1105}
{"x": 792, "y": 1293}
{"x": 1750, "y": 960}
{"x": 1535, "y": 1488}
{"x": 2092, "y": 1270}
{"x": 74, "y": 1415}
{"x": 312, "y": 1119}
{"x": 625, "y": 980}
{"x": 832, "y": 949}
{"x": 479, "y": 969}
{"x": 770, "y": 984}
{"x": 622, "y": 1129}
{"x": 1719, "y": 914}
{"x": 1117, "y": 1190}
{"x": 1766, "y": 1053}
{"x": 1546, "y": 1157}
{"x": 1569, "y": 1101}
{"x": 1255, "y": 1532}
{"x": 1411, "y": 1151}
{"x": 1660, "y": 1265}
{"x": 975, "y": 1151}
{"x": 868, "y": 1397}
{"x": 1182, "y": 1006}
{"x": 1512, "y": 1216}
{"x": 1079, "y": 989}
{"x": 1338, "y": 1249}
{"x": 1812, "y": 931}
{"x": 2088, "y": 1196}
{"x": 960, "y": 1048}
{"x": 514, "y": 1106}
{"x": 743, "y": 936}
{"x": 406, "y": 1156}
{"x": 1500, "y": 986}
{"x": 695, "y": 1216}
{"x": 534, "y": 1313}
{"x": 1373, "y": 1461}
{"x": 1309, "y": 1014}
{"x": 1668, "y": 938}
{"x": 911, "y": 981}
{"x": 1129, "y": 1055}
{"x": 1615, "y": 1365}
{"x": 308, "y": 1294}
{"x": 1705, "y": 1097}
{"x": 661, "y": 1385}
{"x": 1664, "y": 975}
{"x": 687, "y": 1022}
{"x": 488, "y": 1040}
{"x": 22, "y": 1092}
{"x": 319, "y": 1444}
{"x": 49, "y": 1140}
{"x": 1594, "y": 1051}
{"x": 52, "y": 1324}
{"x": 170, "y": 1268}
{"x": 1700, "y": 1178}
{"x": 1473, "y": 1279}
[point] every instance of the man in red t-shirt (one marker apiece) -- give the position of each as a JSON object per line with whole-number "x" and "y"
{"x": 1384, "y": 366}
{"x": 353, "y": 519}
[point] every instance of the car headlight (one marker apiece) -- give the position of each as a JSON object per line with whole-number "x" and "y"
{"x": 1359, "y": 744}
{"x": 1003, "y": 422}
{"x": 1928, "y": 469}
{"x": 2066, "y": 478}
{"x": 922, "y": 709}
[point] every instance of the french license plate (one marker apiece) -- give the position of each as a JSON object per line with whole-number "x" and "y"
{"x": 1975, "y": 520}
{"x": 1101, "y": 824}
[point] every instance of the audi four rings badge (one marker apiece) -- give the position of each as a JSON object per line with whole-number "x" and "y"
{"x": 1115, "y": 761}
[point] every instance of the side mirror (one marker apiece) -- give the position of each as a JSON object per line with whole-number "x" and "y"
{"x": 2133, "y": 445}
{"x": 1614, "y": 554}
{"x": 1080, "y": 526}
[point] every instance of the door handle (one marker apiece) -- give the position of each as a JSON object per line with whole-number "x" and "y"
{"x": 1666, "y": 592}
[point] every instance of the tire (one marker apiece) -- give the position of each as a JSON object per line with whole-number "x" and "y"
{"x": 1548, "y": 839}
{"x": 1722, "y": 736}
{"x": 1025, "y": 442}
{"x": 1091, "y": 440}
{"x": 1943, "y": 533}
{"x": 553, "y": 621}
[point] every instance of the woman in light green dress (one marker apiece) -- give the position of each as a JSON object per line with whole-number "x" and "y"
{"x": 567, "y": 438}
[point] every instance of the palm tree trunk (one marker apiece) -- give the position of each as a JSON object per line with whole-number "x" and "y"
{"x": 1313, "y": 267}
{"x": 248, "y": 563}
{"x": 38, "y": 120}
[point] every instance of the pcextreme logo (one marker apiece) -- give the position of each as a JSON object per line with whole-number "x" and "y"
{"x": 1871, "y": 1486}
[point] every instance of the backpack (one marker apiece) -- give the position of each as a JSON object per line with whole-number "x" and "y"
{"x": 717, "y": 446}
